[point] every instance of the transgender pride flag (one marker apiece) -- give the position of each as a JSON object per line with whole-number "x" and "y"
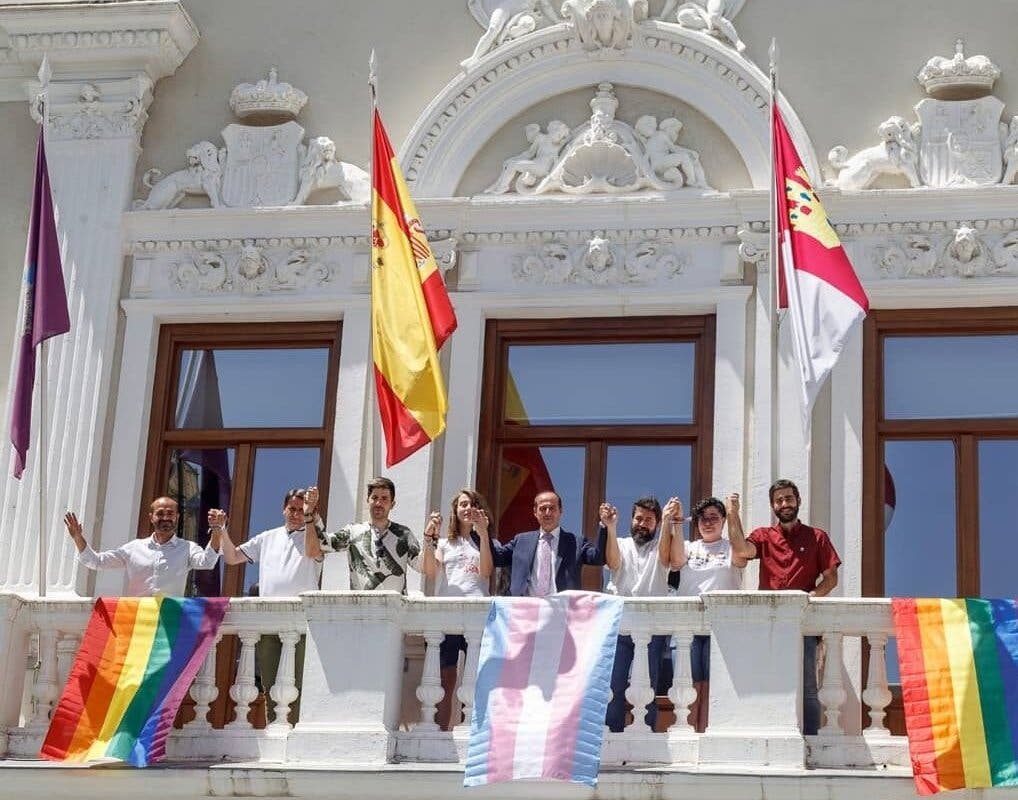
{"x": 543, "y": 681}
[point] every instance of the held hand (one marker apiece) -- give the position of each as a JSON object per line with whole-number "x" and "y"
{"x": 672, "y": 511}
{"x": 217, "y": 519}
{"x": 479, "y": 519}
{"x": 431, "y": 529}
{"x": 72, "y": 525}
{"x": 310, "y": 500}
{"x": 732, "y": 504}
{"x": 608, "y": 514}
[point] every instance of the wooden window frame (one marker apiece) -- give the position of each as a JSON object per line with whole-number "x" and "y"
{"x": 965, "y": 433}
{"x": 494, "y": 433}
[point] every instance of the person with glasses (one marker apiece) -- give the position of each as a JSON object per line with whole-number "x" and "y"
{"x": 706, "y": 563}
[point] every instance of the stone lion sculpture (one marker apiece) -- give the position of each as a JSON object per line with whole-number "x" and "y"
{"x": 321, "y": 169}
{"x": 202, "y": 176}
{"x": 897, "y": 154}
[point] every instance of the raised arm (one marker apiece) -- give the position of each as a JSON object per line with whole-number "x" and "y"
{"x": 108, "y": 559}
{"x": 429, "y": 565}
{"x": 594, "y": 554}
{"x": 671, "y": 549}
{"x": 609, "y": 518}
{"x": 312, "y": 546}
{"x": 735, "y": 529}
{"x": 221, "y": 541}
{"x": 480, "y": 520}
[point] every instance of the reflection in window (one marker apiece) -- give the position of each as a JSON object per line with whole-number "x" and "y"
{"x": 227, "y": 388}
{"x": 276, "y": 471}
{"x": 635, "y": 471}
{"x": 931, "y": 377}
{"x": 527, "y": 471}
{"x": 600, "y": 384}
{"x": 998, "y": 518}
{"x": 200, "y": 479}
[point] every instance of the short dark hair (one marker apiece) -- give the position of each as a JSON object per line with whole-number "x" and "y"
{"x": 549, "y": 491}
{"x": 648, "y": 503}
{"x": 709, "y": 502}
{"x": 381, "y": 483}
{"x": 783, "y": 483}
{"x": 292, "y": 493}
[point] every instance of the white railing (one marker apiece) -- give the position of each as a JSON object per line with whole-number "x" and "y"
{"x": 372, "y": 682}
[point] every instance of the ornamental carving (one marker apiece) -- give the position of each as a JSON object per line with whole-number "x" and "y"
{"x": 602, "y": 156}
{"x": 93, "y": 114}
{"x": 252, "y": 270}
{"x": 959, "y": 139}
{"x": 964, "y": 253}
{"x": 260, "y": 165}
{"x": 599, "y": 262}
{"x": 597, "y": 24}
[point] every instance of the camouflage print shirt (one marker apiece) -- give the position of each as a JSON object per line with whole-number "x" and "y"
{"x": 378, "y": 559}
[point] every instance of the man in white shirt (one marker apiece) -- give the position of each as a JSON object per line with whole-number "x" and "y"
{"x": 157, "y": 564}
{"x": 290, "y": 562}
{"x": 639, "y": 567}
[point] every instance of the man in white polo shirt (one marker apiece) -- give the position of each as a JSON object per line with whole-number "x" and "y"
{"x": 285, "y": 570}
{"x": 639, "y": 567}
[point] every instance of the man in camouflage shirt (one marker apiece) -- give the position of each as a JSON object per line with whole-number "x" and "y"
{"x": 380, "y": 550}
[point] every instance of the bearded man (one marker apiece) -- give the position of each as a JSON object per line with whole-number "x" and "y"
{"x": 639, "y": 567}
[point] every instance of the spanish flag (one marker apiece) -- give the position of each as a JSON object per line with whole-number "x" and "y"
{"x": 411, "y": 315}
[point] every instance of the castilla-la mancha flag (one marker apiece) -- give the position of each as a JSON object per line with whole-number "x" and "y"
{"x": 816, "y": 281}
{"x": 411, "y": 315}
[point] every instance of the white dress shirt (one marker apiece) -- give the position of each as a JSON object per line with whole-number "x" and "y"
{"x": 152, "y": 568}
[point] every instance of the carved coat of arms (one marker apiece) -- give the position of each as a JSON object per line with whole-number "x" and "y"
{"x": 262, "y": 164}
{"x": 960, "y": 142}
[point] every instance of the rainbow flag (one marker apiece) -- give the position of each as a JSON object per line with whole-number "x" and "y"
{"x": 543, "y": 680}
{"x": 135, "y": 664}
{"x": 959, "y": 683}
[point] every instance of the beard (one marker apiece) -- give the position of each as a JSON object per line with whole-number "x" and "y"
{"x": 787, "y": 514}
{"x": 641, "y": 535}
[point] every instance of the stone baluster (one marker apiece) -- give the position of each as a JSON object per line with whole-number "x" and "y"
{"x": 640, "y": 692}
{"x": 465, "y": 693}
{"x": 47, "y": 690}
{"x": 832, "y": 694}
{"x": 876, "y": 695}
{"x": 204, "y": 690}
{"x": 284, "y": 691}
{"x": 682, "y": 693}
{"x": 244, "y": 692}
{"x": 67, "y": 648}
{"x": 430, "y": 691}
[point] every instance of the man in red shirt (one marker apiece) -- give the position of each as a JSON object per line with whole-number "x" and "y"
{"x": 794, "y": 556}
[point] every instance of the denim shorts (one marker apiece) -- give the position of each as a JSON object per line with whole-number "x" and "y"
{"x": 699, "y": 656}
{"x": 449, "y": 650}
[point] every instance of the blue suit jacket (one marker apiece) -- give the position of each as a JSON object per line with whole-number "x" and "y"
{"x": 573, "y": 552}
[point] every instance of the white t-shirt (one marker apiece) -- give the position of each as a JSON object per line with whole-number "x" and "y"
{"x": 708, "y": 566}
{"x": 640, "y": 572}
{"x": 285, "y": 571}
{"x": 461, "y": 565}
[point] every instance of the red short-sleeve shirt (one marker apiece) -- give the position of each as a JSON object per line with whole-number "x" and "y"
{"x": 794, "y": 560}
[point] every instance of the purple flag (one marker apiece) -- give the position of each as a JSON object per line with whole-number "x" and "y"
{"x": 45, "y": 304}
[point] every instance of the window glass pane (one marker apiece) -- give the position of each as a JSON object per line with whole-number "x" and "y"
{"x": 920, "y": 553}
{"x": 269, "y": 388}
{"x": 931, "y": 377}
{"x": 276, "y": 471}
{"x": 200, "y": 479}
{"x": 635, "y": 471}
{"x": 525, "y": 471}
{"x": 602, "y": 384}
{"x": 998, "y": 516}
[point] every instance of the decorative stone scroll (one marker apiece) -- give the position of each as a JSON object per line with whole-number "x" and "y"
{"x": 959, "y": 139}
{"x": 599, "y": 262}
{"x": 260, "y": 165}
{"x": 252, "y": 270}
{"x": 965, "y": 253}
{"x": 598, "y": 24}
{"x": 602, "y": 156}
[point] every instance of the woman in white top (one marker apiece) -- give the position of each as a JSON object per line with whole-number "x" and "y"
{"x": 707, "y": 563}
{"x": 463, "y": 560}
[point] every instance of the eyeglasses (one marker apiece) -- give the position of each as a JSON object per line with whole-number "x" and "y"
{"x": 712, "y": 519}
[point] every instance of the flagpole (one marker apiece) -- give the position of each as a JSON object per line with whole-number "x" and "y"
{"x": 774, "y": 282}
{"x": 372, "y": 402}
{"x": 44, "y": 77}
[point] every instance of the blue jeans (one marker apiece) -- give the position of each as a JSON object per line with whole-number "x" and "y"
{"x": 615, "y": 719}
{"x": 810, "y": 700}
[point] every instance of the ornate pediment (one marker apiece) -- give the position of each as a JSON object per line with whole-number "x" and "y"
{"x": 259, "y": 165}
{"x": 959, "y": 139}
{"x": 602, "y": 156}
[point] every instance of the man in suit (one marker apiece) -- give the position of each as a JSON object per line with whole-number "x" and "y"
{"x": 547, "y": 560}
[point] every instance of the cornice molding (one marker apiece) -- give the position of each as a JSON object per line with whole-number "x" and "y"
{"x": 88, "y": 40}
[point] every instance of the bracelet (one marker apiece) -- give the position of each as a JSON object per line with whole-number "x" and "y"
{"x": 309, "y": 517}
